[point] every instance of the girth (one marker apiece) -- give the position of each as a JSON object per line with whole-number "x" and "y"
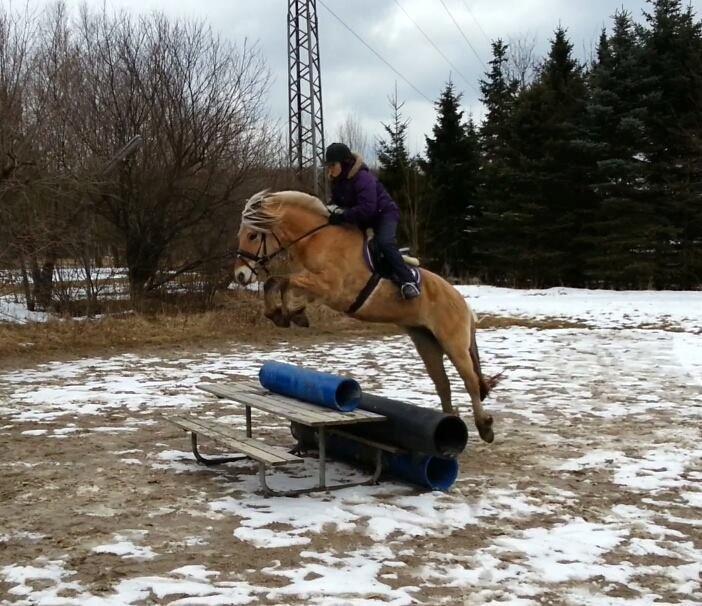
{"x": 366, "y": 292}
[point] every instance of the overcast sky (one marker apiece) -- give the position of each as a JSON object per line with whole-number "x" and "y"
{"x": 355, "y": 81}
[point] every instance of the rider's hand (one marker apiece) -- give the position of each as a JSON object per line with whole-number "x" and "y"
{"x": 336, "y": 218}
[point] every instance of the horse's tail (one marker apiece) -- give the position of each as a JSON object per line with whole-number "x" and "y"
{"x": 486, "y": 385}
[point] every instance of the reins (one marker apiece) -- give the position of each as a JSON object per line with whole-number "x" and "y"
{"x": 261, "y": 260}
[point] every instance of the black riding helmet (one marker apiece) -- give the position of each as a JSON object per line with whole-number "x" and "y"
{"x": 338, "y": 152}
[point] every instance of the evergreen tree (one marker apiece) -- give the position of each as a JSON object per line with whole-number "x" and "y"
{"x": 394, "y": 161}
{"x": 499, "y": 237}
{"x": 392, "y": 152}
{"x": 452, "y": 169}
{"x": 625, "y": 223}
{"x": 673, "y": 62}
{"x": 553, "y": 198}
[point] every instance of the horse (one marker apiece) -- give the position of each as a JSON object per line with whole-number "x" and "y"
{"x": 328, "y": 266}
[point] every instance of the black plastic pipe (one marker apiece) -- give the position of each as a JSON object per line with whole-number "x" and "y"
{"x": 412, "y": 428}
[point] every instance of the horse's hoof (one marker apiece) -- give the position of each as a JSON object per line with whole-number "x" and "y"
{"x": 278, "y": 318}
{"x": 485, "y": 430}
{"x": 299, "y": 318}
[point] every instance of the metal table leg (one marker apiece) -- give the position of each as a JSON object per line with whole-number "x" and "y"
{"x": 322, "y": 457}
{"x": 248, "y": 421}
{"x": 268, "y": 492}
{"x": 213, "y": 461}
{"x": 262, "y": 480}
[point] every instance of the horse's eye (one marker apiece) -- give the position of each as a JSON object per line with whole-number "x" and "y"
{"x": 252, "y": 237}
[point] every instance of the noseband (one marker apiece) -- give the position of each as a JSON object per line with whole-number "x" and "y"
{"x": 262, "y": 257}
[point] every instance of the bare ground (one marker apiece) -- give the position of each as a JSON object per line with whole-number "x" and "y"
{"x": 77, "y": 492}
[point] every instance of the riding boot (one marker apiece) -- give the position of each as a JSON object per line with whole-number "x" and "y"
{"x": 385, "y": 231}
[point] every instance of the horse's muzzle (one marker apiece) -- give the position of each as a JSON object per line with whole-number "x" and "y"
{"x": 243, "y": 275}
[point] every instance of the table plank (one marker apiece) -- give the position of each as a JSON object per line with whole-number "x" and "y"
{"x": 289, "y": 408}
{"x": 227, "y": 436}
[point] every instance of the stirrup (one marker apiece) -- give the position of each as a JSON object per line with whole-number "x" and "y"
{"x": 409, "y": 290}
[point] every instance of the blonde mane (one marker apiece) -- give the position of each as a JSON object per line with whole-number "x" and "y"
{"x": 262, "y": 211}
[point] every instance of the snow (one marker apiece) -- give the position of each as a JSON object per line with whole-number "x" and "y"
{"x": 594, "y": 308}
{"x": 353, "y": 575}
{"x": 126, "y": 549}
{"x": 651, "y": 471}
{"x": 568, "y": 552}
{"x": 17, "y": 313}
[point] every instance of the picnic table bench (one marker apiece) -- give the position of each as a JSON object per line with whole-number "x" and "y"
{"x": 252, "y": 395}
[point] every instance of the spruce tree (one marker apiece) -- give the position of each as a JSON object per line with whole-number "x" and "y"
{"x": 452, "y": 169}
{"x": 499, "y": 235}
{"x": 393, "y": 158}
{"x": 673, "y": 66}
{"x": 553, "y": 198}
{"x": 625, "y": 222}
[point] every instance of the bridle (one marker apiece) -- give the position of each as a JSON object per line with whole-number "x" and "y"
{"x": 262, "y": 257}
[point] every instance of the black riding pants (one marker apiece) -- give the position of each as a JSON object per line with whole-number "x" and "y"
{"x": 385, "y": 231}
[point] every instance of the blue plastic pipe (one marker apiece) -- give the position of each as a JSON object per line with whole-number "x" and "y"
{"x": 428, "y": 471}
{"x": 425, "y": 470}
{"x": 311, "y": 386}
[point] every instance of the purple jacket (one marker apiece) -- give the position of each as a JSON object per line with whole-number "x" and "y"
{"x": 363, "y": 197}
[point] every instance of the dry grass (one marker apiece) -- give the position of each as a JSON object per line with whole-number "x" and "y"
{"x": 180, "y": 324}
{"x": 238, "y": 317}
{"x": 490, "y": 321}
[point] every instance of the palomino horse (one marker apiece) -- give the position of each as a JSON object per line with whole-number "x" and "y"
{"x": 328, "y": 266}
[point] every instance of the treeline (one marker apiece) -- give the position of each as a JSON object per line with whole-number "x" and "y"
{"x": 74, "y": 92}
{"x": 582, "y": 175}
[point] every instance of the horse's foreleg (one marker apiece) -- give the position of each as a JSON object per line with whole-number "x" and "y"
{"x": 432, "y": 355}
{"x": 272, "y": 300}
{"x": 456, "y": 344}
{"x": 309, "y": 286}
{"x": 293, "y": 308}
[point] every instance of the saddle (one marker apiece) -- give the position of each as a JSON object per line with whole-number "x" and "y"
{"x": 379, "y": 268}
{"x": 376, "y": 262}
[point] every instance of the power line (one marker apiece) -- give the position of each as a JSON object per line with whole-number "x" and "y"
{"x": 375, "y": 52}
{"x": 480, "y": 27}
{"x": 450, "y": 14}
{"x": 436, "y": 48}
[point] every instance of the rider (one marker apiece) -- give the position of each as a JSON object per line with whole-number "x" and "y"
{"x": 366, "y": 203}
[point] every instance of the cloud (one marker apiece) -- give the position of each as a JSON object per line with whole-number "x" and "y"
{"x": 355, "y": 81}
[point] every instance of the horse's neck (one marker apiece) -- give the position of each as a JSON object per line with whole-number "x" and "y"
{"x": 295, "y": 225}
{"x": 315, "y": 252}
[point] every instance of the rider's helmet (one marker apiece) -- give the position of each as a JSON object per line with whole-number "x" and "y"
{"x": 338, "y": 152}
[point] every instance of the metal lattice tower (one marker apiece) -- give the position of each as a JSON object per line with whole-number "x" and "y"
{"x": 305, "y": 94}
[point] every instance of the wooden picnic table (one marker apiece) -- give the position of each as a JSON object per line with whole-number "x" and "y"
{"x": 252, "y": 395}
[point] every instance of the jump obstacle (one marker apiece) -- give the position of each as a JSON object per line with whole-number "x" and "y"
{"x": 332, "y": 415}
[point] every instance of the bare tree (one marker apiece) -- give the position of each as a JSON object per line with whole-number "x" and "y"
{"x": 198, "y": 103}
{"x": 522, "y": 63}
{"x": 32, "y": 186}
{"x": 351, "y": 132}
{"x": 71, "y": 94}
{"x": 16, "y": 37}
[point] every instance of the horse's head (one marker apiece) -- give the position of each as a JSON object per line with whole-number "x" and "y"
{"x": 270, "y": 222}
{"x": 249, "y": 250}
{"x": 256, "y": 242}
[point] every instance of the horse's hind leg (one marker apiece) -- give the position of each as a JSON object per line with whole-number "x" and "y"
{"x": 456, "y": 344}
{"x": 432, "y": 355}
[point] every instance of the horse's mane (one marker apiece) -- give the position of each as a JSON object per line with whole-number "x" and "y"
{"x": 262, "y": 210}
